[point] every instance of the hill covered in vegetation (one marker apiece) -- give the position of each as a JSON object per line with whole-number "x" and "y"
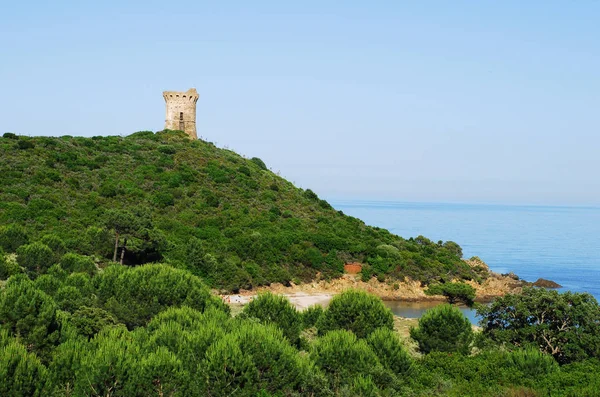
{"x": 75, "y": 323}
{"x": 159, "y": 197}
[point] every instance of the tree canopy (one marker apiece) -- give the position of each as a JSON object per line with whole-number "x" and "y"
{"x": 565, "y": 325}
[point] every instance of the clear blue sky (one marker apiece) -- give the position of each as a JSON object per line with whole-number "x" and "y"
{"x": 472, "y": 101}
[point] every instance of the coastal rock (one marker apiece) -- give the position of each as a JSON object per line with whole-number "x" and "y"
{"x": 543, "y": 283}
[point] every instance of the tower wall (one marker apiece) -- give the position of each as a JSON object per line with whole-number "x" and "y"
{"x": 181, "y": 111}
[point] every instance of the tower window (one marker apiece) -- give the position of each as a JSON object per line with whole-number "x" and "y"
{"x": 180, "y": 115}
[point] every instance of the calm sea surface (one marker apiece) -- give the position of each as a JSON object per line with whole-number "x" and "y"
{"x": 556, "y": 243}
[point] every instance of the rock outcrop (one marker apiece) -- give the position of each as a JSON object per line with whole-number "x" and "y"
{"x": 543, "y": 283}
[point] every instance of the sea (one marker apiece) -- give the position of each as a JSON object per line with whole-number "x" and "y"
{"x": 558, "y": 243}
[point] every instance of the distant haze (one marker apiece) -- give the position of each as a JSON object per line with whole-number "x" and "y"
{"x": 412, "y": 101}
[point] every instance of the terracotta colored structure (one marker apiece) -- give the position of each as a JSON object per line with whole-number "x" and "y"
{"x": 352, "y": 268}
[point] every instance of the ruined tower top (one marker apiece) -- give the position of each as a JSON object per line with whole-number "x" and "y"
{"x": 181, "y": 111}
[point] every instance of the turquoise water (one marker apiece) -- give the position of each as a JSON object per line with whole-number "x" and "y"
{"x": 557, "y": 243}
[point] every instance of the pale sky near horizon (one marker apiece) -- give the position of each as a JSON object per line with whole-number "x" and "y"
{"x": 451, "y": 101}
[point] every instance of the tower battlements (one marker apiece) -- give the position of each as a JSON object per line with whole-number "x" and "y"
{"x": 181, "y": 111}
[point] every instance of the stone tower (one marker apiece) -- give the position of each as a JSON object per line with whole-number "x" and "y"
{"x": 181, "y": 111}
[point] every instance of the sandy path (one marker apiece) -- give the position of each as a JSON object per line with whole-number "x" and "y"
{"x": 300, "y": 300}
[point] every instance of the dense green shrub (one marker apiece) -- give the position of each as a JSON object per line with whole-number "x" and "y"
{"x": 134, "y": 295}
{"x": 252, "y": 358}
{"x": 445, "y": 329}
{"x": 342, "y": 357}
{"x": 388, "y": 348}
{"x": 12, "y": 237}
{"x": 311, "y": 316}
{"x": 88, "y": 321}
{"x": 74, "y": 263}
{"x": 69, "y": 298}
{"x": 454, "y": 248}
{"x": 454, "y": 292}
{"x": 355, "y": 311}
{"x": 35, "y": 257}
{"x": 29, "y": 313}
{"x": 48, "y": 284}
{"x": 261, "y": 164}
{"x": 114, "y": 363}
{"x": 56, "y": 244}
{"x": 8, "y": 267}
{"x": 21, "y": 372}
{"x": 531, "y": 362}
{"x": 277, "y": 310}
{"x": 309, "y": 194}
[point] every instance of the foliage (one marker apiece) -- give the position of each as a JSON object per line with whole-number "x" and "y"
{"x": 342, "y": 357}
{"x": 390, "y": 351}
{"x": 30, "y": 314}
{"x": 21, "y": 372}
{"x": 135, "y": 295}
{"x": 253, "y": 358}
{"x": 74, "y": 263}
{"x": 88, "y": 321}
{"x": 144, "y": 197}
{"x": 12, "y": 237}
{"x": 566, "y": 325}
{"x": 312, "y": 315}
{"x": 445, "y": 329}
{"x": 77, "y": 324}
{"x": 454, "y": 292}
{"x": 182, "y": 351}
{"x": 276, "y": 310}
{"x": 36, "y": 257}
{"x": 8, "y": 267}
{"x": 355, "y": 311}
{"x": 259, "y": 163}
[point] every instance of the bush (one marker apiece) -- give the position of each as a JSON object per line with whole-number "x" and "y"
{"x": 135, "y": 295}
{"x": 445, "y": 329}
{"x": 12, "y": 237}
{"x": 342, "y": 357}
{"x": 88, "y": 321}
{"x": 25, "y": 144}
{"x": 29, "y": 313}
{"x": 311, "y": 316}
{"x": 453, "y": 292}
{"x": 356, "y": 311}
{"x": 8, "y": 267}
{"x": 453, "y": 248}
{"x": 309, "y": 194}
{"x": 253, "y": 358}
{"x": 56, "y": 244}
{"x": 74, "y": 263}
{"x": 48, "y": 284}
{"x": 21, "y": 372}
{"x": 531, "y": 362}
{"x": 277, "y": 310}
{"x": 388, "y": 348}
{"x": 114, "y": 364}
{"x": 261, "y": 164}
{"x": 36, "y": 257}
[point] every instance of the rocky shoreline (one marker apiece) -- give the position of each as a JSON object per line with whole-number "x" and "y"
{"x": 495, "y": 285}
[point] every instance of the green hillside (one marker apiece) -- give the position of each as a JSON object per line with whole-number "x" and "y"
{"x": 221, "y": 216}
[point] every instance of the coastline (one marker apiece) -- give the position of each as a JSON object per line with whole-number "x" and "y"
{"x": 320, "y": 291}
